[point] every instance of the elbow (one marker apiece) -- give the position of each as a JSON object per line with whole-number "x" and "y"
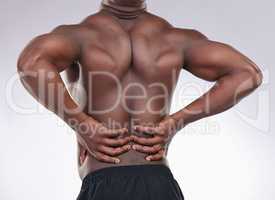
{"x": 259, "y": 78}
{"x": 29, "y": 65}
{"x": 256, "y": 76}
{"x": 25, "y": 64}
{"x": 252, "y": 75}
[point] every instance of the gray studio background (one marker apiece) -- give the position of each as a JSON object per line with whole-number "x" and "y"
{"x": 229, "y": 156}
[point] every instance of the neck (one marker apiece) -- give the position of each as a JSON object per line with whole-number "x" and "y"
{"x": 124, "y": 9}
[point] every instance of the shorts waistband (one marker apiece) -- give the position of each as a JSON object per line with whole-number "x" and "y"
{"x": 129, "y": 171}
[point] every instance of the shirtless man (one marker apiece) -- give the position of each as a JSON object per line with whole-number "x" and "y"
{"x": 126, "y": 63}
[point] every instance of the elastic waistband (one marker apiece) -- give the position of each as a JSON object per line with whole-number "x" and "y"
{"x": 129, "y": 171}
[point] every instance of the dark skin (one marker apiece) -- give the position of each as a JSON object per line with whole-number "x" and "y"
{"x": 138, "y": 53}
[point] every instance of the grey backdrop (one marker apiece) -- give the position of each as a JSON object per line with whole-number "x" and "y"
{"x": 229, "y": 156}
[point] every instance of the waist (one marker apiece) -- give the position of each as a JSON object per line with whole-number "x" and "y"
{"x": 144, "y": 171}
{"x": 131, "y": 158}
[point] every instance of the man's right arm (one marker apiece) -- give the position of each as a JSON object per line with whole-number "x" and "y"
{"x": 235, "y": 77}
{"x": 234, "y": 74}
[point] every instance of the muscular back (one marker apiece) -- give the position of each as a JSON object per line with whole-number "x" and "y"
{"x": 128, "y": 70}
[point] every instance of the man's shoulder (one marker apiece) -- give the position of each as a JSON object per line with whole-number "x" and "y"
{"x": 75, "y": 33}
{"x": 72, "y": 29}
{"x": 184, "y": 37}
{"x": 187, "y": 34}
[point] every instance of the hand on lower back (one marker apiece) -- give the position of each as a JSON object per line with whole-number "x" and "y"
{"x": 155, "y": 145}
{"x": 102, "y": 143}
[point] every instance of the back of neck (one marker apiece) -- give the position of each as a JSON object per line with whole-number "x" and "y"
{"x": 124, "y": 9}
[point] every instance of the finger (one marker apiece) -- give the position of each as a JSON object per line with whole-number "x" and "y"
{"x": 116, "y": 142}
{"x": 116, "y": 132}
{"x": 145, "y": 129}
{"x": 147, "y": 149}
{"x": 148, "y": 141}
{"x": 104, "y": 158}
{"x": 160, "y": 131}
{"x": 156, "y": 157}
{"x": 114, "y": 151}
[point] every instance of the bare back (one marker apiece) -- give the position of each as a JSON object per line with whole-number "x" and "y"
{"x": 128, "y": 70}
{"x": 125, "y": 71}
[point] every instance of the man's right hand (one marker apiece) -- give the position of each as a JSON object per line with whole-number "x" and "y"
{"x": 102, "y": 143}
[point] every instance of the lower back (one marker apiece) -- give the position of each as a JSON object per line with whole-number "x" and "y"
{"x": 90, "y": 164}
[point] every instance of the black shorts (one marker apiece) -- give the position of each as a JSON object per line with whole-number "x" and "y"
{"x": 138, "y": 182}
